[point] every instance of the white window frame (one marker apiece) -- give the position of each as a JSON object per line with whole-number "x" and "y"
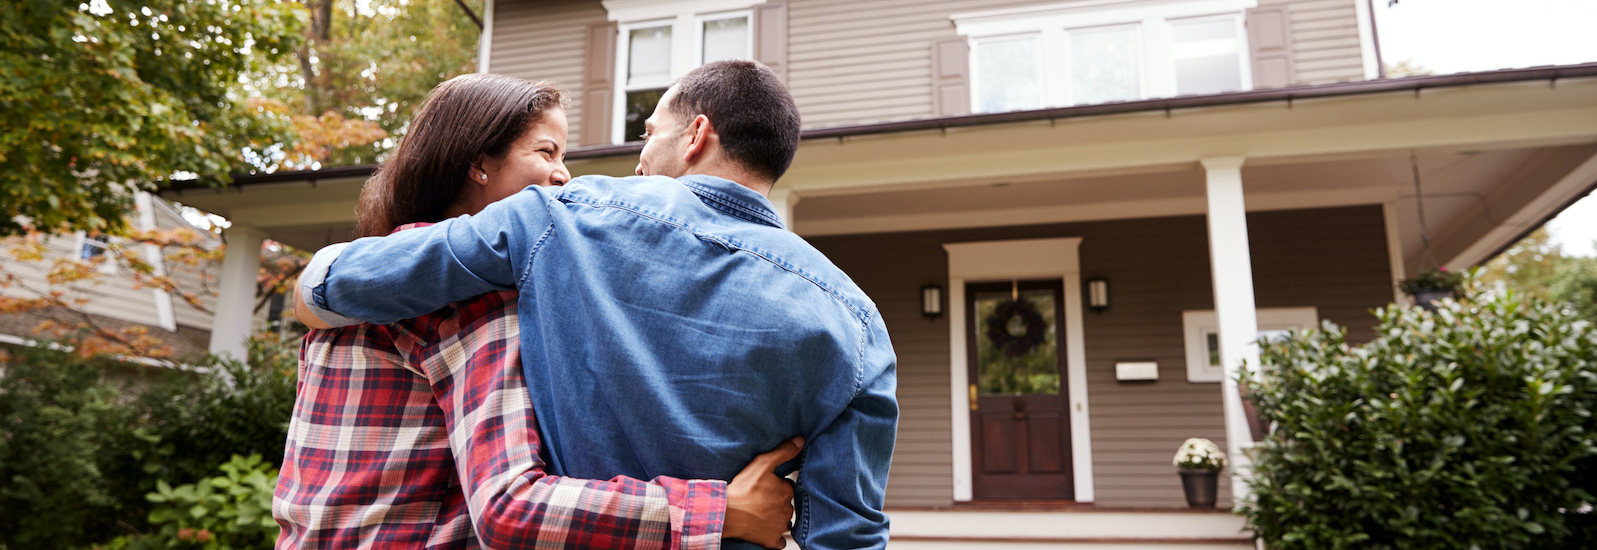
{"x": 686, "y": 18}
{"x": 1054, "y": 22}
{"x": 975, "y": 75}
{"x": 1197, "y": 325}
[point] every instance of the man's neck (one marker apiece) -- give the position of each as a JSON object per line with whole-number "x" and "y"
{"x": 737, "y": 175}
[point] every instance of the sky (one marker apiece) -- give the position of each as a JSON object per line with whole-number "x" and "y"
{"x": 1450, "y": 36}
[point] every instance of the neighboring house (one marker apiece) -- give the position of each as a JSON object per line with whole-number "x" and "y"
{"x": 111, "y": 300}
{"x": 1163, "y": 180}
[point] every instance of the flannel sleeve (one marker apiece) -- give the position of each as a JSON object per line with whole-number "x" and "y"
{"x": 381, "y": 280}
{"x": 477, "y": 380}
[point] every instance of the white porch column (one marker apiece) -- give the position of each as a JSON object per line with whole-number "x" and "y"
{"x": 235, "y": 302}
{"x": 1233, "y": 303}
{"x": 784, "y": 200}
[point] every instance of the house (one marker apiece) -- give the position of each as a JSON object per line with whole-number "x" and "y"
{"x": 112, "y": 300}
{"x": 1163, "y": 181}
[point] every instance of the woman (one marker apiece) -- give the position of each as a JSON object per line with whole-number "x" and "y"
{"x": 420, "y": 434}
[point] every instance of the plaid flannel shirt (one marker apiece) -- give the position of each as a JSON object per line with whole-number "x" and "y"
{"x": 421, "y": 434}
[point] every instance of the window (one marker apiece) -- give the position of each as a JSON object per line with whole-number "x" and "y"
{"x": 1085, "y": 53}
{"x": 655, "y": 52}
{"x": 1208, "y": 55}
{"x": 93, "y": 247}
{"x": 1105, "y": 65}
{"x": 1202, "y": 331}
{"x": 1007, "y": 73}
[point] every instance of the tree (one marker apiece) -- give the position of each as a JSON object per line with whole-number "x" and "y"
{"x": 1536, "y": 266}
{"x": 363, "y": 69}
{"x": 100, "y": 98}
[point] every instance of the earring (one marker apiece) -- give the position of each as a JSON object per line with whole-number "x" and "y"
{"x": 485, "y": 177}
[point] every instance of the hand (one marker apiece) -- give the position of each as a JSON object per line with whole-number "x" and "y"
{"x": 759, "y": 503}
{"x": 304, "y": 314}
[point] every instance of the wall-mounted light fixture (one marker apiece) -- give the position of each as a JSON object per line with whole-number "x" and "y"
{"x": 1098, "y": 293}
{"x": 931, "y": 301}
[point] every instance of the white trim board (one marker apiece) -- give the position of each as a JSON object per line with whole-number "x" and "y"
{"x": 485, "y": 40}
{"x": 1007, "y": 260}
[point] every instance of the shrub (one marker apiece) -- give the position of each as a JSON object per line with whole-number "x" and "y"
{"x": 55, "y": 413}
{"x": 1468, "y": 427}
{"x": 78, "y": 453}
{"x": 232, "y": 511}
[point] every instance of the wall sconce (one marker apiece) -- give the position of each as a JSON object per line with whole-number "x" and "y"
{"x": 1098, "y": 293}
{"x": 931, "y": 301}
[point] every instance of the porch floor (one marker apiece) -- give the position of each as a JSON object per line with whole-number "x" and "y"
{"x": 1066, "y": 527}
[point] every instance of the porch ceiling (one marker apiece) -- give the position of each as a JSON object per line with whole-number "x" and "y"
{"x": 1464, "y": 192}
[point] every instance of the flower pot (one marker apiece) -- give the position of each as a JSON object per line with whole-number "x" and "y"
{"x": 1427, "y": 297}
{"x": 1201, "y": 486}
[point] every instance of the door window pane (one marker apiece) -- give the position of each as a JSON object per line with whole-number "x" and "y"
{"x": 649, "y": 57}
{"x": 1017, "y": 347}
{"x": 1007, "y": 76}
{"x": 1106, "y": 65}
{"x": 1207, "y": 55}
{"x": 725, "y": 39}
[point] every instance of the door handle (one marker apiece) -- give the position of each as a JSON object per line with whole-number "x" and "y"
{"x": 973, "y": 397}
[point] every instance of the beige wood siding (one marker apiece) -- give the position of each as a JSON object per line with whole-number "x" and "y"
{"x": 1325, "y": 40}
{"x": 110, "y": 294}
{"x": 545, "y": 40}
{"x": 862, "y": 61}
{"x": 1333, "y": 259}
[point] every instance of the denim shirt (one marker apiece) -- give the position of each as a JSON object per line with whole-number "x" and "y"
{"x": 669, "y": 327}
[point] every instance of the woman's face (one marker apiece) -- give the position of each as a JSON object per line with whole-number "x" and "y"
{"x": 538, "y": 158}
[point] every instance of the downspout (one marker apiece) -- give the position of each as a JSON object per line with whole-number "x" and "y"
{"x": 1375, "y": 37}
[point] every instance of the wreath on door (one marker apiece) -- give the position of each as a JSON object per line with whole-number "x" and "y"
{"x": 1016, "y": 327}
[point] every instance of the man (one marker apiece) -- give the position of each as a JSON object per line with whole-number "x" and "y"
{"x": 670, "y": 325}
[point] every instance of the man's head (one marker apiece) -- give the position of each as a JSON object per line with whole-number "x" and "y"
{"x": 732, "y": 119}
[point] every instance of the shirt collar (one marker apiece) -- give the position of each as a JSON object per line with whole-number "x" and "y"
{"x": 733, "y": 199}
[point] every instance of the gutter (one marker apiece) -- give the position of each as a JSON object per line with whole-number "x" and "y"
{"x": 1288, "y": 94}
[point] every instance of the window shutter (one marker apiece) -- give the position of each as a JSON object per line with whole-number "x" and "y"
{"x": 1270, "y": 45}
{"x": 951, "y": 76}
{"x": 598, "y": 84}
{"x": 770, "y": 36}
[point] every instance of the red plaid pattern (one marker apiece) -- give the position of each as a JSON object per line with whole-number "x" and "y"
{"x": 421, "y": 434}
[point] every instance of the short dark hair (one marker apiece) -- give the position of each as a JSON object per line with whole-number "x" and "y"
{"x": 464, "y": 117}
{"x": 749, "y": 107}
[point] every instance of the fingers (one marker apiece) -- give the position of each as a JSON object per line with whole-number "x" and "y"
{"x": 788, "y": 450}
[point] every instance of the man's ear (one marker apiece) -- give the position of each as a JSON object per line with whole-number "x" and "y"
{"x": 699, "y": 134}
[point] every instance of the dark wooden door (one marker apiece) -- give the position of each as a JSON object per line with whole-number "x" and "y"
{"x": 1020, "y": 422}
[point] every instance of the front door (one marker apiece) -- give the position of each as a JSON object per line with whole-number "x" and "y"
{"x": 1020, "y": 425}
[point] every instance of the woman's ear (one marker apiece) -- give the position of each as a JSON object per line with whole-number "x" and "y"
{"x": 477, "y": 174}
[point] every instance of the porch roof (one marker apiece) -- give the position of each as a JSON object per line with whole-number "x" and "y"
{"x": 1529, "y": 136}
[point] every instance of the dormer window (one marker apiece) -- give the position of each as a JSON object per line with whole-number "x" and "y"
{"x": 1101, "y": 52}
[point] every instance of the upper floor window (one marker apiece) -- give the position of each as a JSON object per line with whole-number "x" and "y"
{"x": 1100, "y": 52}
{"x": 660, "y": 42}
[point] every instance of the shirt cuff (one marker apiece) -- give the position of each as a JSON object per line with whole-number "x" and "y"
{"x": 312, "y": 285}
{"x": 703, "y": 509}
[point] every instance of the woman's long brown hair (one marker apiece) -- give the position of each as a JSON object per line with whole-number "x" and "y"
{"x": 465, "y": 117}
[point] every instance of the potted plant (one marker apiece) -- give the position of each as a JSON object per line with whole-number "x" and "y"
{"x": 1432, "y": 286}
{"x": 1200, "y": 462}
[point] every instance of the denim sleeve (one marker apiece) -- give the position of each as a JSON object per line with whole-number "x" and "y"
{"x": 411, "y": 273}
{"x": 844, "y": 476}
